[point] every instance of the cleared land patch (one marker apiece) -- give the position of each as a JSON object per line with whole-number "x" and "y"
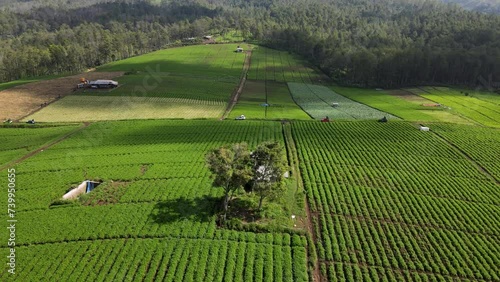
{"x": 22, "y": 100}
{"x": 320, "y": 102}
{"x": 94, "y": 108}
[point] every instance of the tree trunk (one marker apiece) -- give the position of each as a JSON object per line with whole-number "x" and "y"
{"x": 260, "y": 202}
{"x": 225, "y": 204}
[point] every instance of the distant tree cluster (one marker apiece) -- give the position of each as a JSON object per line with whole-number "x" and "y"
{"x": 386, "y": 43}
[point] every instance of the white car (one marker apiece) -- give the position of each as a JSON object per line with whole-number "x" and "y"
{"x": 242, "y": 117}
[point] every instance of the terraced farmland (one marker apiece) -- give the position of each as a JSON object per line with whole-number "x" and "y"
{"x": 189, "y": 82}
{"x": 391, "y": 202}
{"x": 481, "y": 111}
{"x": 17, "y": 142}
{"x": 480, "y": 143}
{"x": 267, "y": 100}
{"x": 155, "y": 214}
{"x": 273, "y": 65}
{"x": 318, "y": 102}
{"x": 401, "y": 103}
{"x": 93, "y": 108}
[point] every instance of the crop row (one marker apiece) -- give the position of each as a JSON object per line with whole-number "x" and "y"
{"x": 398, "y": 210}
{"x": 272, "y": 65}
{"x": 480, "y": 111}
{"x": 160, "y": 260}
{"x": 398, "y": 246}
{"x": 480, "y": 143}
{"x": 178, "y": 218}
{"x": 320, "y": 101}
{"x": 354, "y": 272}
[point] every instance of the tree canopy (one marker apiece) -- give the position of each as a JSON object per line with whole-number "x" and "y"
{"x": 386, "y": 43}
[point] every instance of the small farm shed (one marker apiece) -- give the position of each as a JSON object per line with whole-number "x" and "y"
{"x": 239, "y": 49}
{"x": 103, "y": 83}
{"x": 207, "y": 37}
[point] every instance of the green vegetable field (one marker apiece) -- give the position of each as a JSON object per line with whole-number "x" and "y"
{"x": 320, "y": 102}
{"x": 163, "y": 214}
{"x": 391, "y": 201}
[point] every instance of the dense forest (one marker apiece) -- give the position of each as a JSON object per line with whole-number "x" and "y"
{"x": 386, "y": 43}
{"x": 485, "y": 6}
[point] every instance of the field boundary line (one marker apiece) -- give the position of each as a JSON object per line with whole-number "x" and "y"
{"x": 35, "y": 152}
{"x": 292, "y": 151}
{"x": 455, "y": 112}
{"x": 481, "y": 169}
{"x": 236, "y": 94}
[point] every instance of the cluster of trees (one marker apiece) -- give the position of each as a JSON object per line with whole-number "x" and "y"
{"x": 387, "y": 43}
{"x": 234, "y": 167}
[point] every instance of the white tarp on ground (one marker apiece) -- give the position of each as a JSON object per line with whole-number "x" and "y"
{"x": 81, "y": 189}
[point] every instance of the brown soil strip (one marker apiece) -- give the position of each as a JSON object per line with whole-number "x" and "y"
{"x": 236, "y": 94}
{"x": 406, "y": 95}
{"x": 41, "y": 149}
{"x": 23, "y": 100}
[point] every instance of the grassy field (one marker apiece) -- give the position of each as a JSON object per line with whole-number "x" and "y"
{"x": 317, "y": 101}
{"x": 402, "y": 104}
{"x": 95, "y": 108}
{"x": 153, "y": 217}
{"x": 170, "y": 86}
{"x": 273, "y": 65}
{"x": 217, "y": 60}
{"x": 481, "y": 110}
{"x": 257, "y": 94}
{"x": 391, "y": 202}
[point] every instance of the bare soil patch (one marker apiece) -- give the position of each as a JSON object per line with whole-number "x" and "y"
{"x": 23, "y": 100}
{"x": 403, "y": 94}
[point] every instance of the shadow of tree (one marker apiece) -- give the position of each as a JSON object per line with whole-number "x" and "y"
{"x": 196, "y": 209}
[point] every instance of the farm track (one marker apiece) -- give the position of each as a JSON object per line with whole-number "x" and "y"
{"x": 41, "y": 149}
{"x": 482, "y": 169}
{"x": 236, "y": 94}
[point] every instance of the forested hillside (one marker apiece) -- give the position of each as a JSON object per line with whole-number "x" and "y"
{"x": 486, "y": 6}
{"x": 386, "y": 43}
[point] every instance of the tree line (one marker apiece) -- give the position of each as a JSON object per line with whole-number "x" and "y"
{"x": 387, "y": 43}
